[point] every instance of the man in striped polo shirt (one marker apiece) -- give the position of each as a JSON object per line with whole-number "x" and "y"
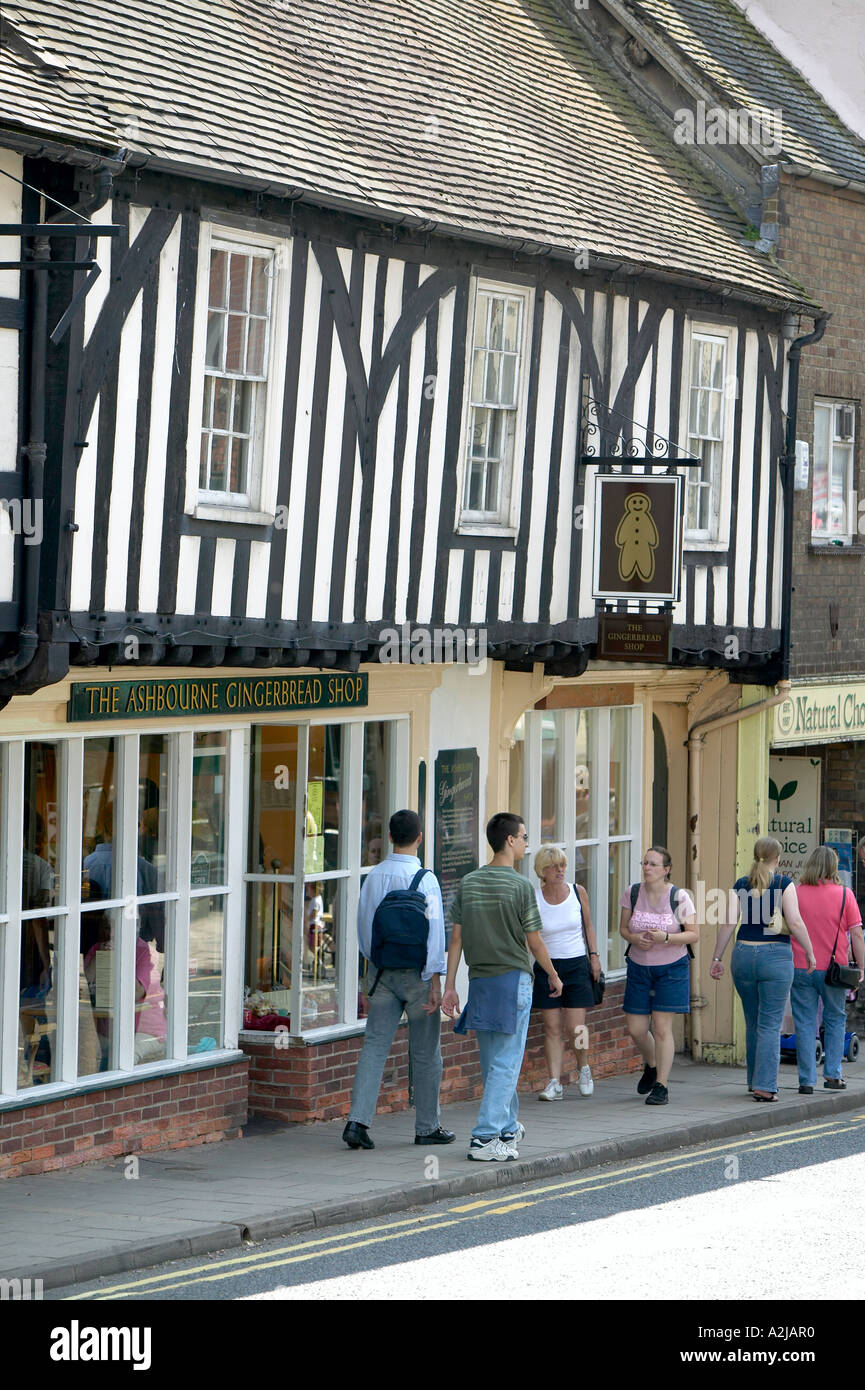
{"x": 497, "y": 925}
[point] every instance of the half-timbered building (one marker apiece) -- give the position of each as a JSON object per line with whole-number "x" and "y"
{"x": 323, "y": 422}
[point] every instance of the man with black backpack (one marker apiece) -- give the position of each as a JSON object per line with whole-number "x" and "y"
{"x": 400, "y": 933}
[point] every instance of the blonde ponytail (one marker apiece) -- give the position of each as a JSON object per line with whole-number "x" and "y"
{"x": 766, "y": 850}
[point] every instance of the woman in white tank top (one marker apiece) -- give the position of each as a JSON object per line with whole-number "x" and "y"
{"x": 570, "y": 939}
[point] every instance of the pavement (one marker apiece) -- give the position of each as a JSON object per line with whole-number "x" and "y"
{"x": 69, "y": 1227}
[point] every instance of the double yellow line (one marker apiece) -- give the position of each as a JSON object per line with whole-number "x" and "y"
{"x": 305, "y": 1250}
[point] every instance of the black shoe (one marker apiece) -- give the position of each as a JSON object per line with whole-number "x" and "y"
{"x": 806, "y": 1090}
{"x": 834, "y": 1084}
{"x": 357, "y": 1136}
{"x": 438, "y": 1136}
{"x": 659, "y": 1095}
{"x": 647, "y": 1080}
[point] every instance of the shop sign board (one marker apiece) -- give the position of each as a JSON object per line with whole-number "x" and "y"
{"x": 635, "y": 637}
{"x": 638, "y": 536}
{"x": 102, "y": 700}
{"x": 457, "y": 812}
{"x": 794, "y": 809}
{"x": 821, "y": 714}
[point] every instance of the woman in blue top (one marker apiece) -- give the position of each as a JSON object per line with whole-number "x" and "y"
{"x": 762, "y": 962}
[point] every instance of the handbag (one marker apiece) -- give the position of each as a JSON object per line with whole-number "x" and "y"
{"x": 841, "y": 976}
{"x": 776, "y": 925}
{"x": 600, "y": 984}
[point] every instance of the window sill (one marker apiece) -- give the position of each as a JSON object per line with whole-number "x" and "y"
{"x": 829, "y": 548}
{"x": 487, "y": 528}
{"x": 110, "y": 1080}
{"x": 237, "y": 516}
{"x": 311, "y": 1037}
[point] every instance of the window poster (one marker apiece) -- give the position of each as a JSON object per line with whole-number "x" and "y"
{"x": 313, "y": 862}
{"x": 457, "y": 810}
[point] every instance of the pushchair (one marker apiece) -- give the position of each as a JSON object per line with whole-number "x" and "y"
{"x": 788, "y": 1036}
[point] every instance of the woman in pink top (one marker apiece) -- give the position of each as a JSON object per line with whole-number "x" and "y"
{"x": 831, "y": 914}
{"x": 658, "y": 984}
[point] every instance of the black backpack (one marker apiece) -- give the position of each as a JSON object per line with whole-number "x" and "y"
{"x": 674, "y": 903}
{"x": 400, "y": 930}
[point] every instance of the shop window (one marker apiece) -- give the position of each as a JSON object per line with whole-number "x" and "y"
{"x": 102, "y": 812}
{"x": 575, "y": 782}
{"x": 328, "y": 824}
{"x": 834, "y": 437}
{"x": 41, "y": 920}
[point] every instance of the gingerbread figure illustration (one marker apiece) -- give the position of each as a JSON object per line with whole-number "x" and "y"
{"x": 636, "y": 538}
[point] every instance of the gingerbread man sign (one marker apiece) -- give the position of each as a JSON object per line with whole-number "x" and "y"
{"x": 636, "y": 538}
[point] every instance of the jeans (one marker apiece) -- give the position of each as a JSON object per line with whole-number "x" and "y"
{"x": 501, "y": 1060}
{"x": 400, "y": 990}
{"x": 806, "y": 992}
{"x": 762, "y": 974}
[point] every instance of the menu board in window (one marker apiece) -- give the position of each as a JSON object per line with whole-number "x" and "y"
{"x": 457, "y": 809}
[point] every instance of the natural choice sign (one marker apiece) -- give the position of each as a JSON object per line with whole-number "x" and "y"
{"x": 821, "y": 714}
{"x": 794, "y": 809}
{"x": 241, "y": 695}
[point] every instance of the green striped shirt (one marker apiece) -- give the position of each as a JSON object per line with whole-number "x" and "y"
{"x": 495, "y": 908}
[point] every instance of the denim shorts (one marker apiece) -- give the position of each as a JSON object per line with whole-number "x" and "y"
{"x": 664, "y": 989}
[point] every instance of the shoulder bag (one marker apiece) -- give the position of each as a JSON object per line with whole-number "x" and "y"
{"x": 841, "y": 976}
{"x": 599, "y": 984}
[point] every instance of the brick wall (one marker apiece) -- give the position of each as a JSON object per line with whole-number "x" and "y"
{"x": 314, "y": 1082}
{"x": 823, "y": 246}
{"x": 166, "y": 1112}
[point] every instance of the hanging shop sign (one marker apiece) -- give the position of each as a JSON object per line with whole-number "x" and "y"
{"x": 638, "y": 537}
{"x": 821, "y": 714}
{"x": 635, "y": 636}
{"x": 794, "y": 809}
{"x": 241, "y": 695}
{"x": 457, "y": 814}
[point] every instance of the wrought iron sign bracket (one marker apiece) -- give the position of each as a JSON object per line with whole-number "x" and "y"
{"x": 602, "y": 427}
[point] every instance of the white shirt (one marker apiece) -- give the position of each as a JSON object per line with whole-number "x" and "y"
{"x": 562, "y": 931}
{"x": 397, "y": 871}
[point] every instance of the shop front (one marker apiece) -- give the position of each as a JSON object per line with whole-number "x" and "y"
{"x": 180, "y": 856}
{"x": 817, "y": 792}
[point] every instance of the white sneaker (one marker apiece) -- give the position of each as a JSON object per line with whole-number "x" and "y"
{"x": 491, "y": 1151}
{"x": 587, "y": 1085}
{"x": 552, "y": 1091}
{"x": 513, "y": 1139}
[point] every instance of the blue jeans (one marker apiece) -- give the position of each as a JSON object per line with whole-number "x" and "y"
{"x": 806, "y": 992}
{"x": 501, "y": 1060}
{"x": 762, "y": 974}
{"x": 398, "y": 990}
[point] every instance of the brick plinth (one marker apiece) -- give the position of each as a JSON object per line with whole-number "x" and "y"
{"x": 313, "y": 1082}
{"x": 165, "y": 1112}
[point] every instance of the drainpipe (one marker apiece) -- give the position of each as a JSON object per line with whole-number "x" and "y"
{"x": 696, "y": 739}
{"x": 34, "y": 452}
{"x": 793, "y": 356}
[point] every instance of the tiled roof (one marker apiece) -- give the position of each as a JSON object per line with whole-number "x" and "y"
{"x": 717, "y": 37}
{"x": 43, "y": 103}
{"x": 486, "y": 116}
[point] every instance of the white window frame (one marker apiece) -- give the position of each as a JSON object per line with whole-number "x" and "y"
{"x": 717, "y": 535}
{"x": 176, "y": 896}
{"x": 352, "y": 873}
{"x": 849, "y": 534}
{"x": 506, "y": 521}
{"x": 258, "y": 504}
{"x": 598, "y": 842}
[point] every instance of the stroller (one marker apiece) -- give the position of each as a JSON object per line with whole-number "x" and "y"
{"x": 788, "y": 1036}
